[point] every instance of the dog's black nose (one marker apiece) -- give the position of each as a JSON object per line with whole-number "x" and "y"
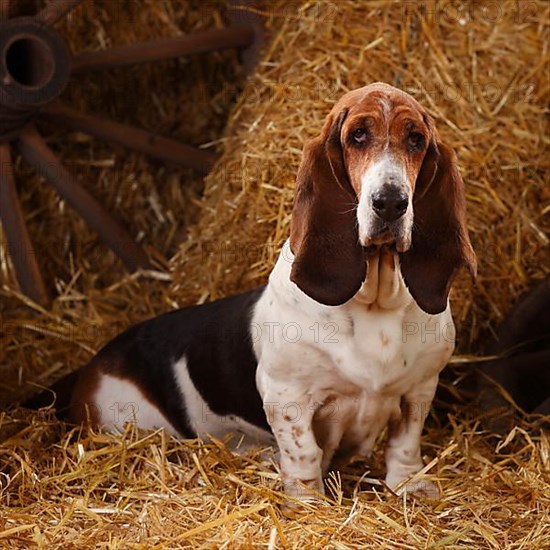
{"x": 390, "y": 204}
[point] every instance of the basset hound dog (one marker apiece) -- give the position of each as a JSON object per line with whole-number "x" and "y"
{"x": 352, "y": 329}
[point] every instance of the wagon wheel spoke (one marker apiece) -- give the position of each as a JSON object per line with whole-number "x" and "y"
{"x": 56, "y": 10}
{"x": 139, "y": 140}
{"x": 18, "y": 240}
{"x": 35, "y": 151}
{"x": 166, "y": 48}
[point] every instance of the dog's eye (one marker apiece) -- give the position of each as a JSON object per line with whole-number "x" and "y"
{"x": 361, "y": 135}
{"x": 415, "y": 141}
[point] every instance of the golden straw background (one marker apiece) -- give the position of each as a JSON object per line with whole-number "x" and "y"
{"x": 481, "y": 68}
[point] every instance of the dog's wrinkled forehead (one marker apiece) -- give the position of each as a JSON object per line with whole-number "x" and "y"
{"x": 381, "y": 124}
{"x": 377, "y": 96}
{"x": 383, "y": 105}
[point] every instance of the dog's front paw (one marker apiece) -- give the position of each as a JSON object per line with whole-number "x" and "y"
{"x": 419, "y": 487}
{"x": 299, "y": 492}
{"x": 304, "y": 490}
{"x": 422, "y": 488}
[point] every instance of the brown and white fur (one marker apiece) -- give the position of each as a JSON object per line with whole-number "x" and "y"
{"x": 352, "y": 329}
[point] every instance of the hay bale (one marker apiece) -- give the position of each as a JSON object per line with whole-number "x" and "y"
{"x": 481, "y": 69}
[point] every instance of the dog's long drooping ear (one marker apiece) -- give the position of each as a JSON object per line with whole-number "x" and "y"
{"x": 330, "y": 263}
{"x": 440, "y": 241}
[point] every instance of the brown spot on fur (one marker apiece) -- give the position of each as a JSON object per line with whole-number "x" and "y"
{"x": 287, "y": 418}
{"x": 297, "y": 431}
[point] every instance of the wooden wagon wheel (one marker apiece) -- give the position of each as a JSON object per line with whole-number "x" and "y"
{"x": 35, "y": 67}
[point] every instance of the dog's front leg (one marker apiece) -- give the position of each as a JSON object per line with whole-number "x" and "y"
{"x": 403, "y": 457}
{"x": 290, "y": 415}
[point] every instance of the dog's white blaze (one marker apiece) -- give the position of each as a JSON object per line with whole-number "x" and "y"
{"x": 385, "y": 170}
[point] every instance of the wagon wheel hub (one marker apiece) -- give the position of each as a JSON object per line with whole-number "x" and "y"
{"x": 34, "y": 70}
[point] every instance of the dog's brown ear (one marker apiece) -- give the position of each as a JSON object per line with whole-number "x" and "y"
{"x": 329, "y": 264}
{"x": 440, "y": 242}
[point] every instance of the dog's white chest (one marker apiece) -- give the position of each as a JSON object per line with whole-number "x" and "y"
{"x": 354, "y": 363}
{"x": 375, "y": 364}
{"x": 382, "y": 351}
